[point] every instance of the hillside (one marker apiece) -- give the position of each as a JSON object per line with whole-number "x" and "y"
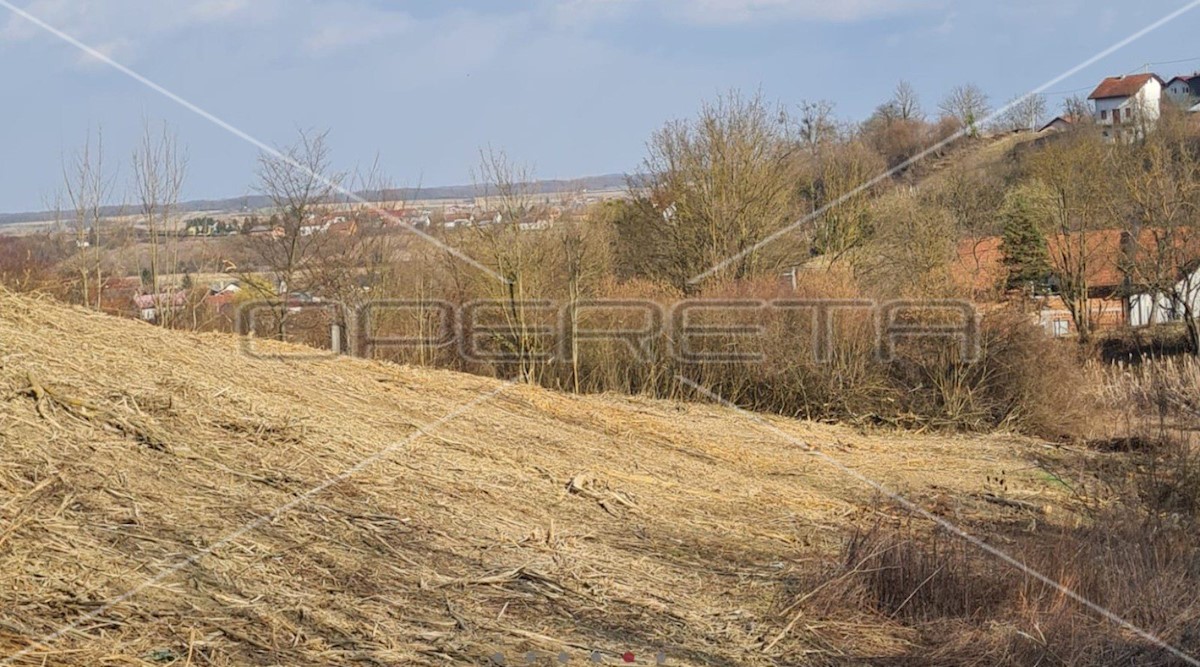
{"x": 341, "y": 511}
{"x": 966, "y": 155}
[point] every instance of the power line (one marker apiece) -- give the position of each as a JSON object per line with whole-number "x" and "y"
{"x": 1175, "y": 62}
{"x": 1135, "y": 70}
{"x": 1052, "y": 93}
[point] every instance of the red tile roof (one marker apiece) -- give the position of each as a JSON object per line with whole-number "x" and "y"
{"x": 1069, "y": 120}
{"x": 1122, "y": 86}
{"x": 348, "y": 227}
{"x": 175, "y": 299}
{"x": 980, "y": 266}
{"x": 219, "y": 301}
{"x": 1101, "y": 250}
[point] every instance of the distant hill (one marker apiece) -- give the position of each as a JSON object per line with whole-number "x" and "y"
{"x": 252, "y": 202}
{"x": 606, "y": 182}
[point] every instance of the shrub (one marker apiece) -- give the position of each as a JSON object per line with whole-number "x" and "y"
{"x": 1022, "y": 380}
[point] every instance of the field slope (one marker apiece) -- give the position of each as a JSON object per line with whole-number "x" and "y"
{"x": 167, "y": 499}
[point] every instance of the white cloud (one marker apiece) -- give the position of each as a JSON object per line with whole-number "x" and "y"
{"x": 16, "y": 28}
{"x": 216, "y": 10}
{"x": 582, "y": 13}
{"x": 743, "y": 11}
{"x": 133, "y": 30}
{"x": 90, "y": 18}
{"x": 117, "y": 49}
{"x": 124, "y": 30}
{"x": 345, "y": 26}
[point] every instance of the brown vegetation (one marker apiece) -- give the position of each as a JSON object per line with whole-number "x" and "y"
{"x": 341, "y": 511}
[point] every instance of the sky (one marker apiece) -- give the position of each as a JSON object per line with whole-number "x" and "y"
{"x": 571, "y": 88}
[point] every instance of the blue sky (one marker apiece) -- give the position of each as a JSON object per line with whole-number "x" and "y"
{"x": 572, "y": 87}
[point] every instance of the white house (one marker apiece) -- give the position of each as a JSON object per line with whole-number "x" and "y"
{"x": 1126, "y": 105}
{"x": 1184, "y": 90}
{"x": 1146, "y": 309}
{"x": 310, "y": 230}
{"x": 224, "y": 287}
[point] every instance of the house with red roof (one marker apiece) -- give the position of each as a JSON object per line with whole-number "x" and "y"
{"x": 1184, "y": 91}
{"x": 151, "y": 306}
{"x": 1115, "y": 298}
{"x": 1059, "y": 124}
{"x": 1127, "y": 105}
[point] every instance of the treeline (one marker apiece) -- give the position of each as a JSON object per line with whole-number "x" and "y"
{"x": 715, "y": 216}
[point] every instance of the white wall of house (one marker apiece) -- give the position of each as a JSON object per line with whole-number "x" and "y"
{"x": 1180, "y": 93}
{"x": 1149, "y": 100}
{"x": 1145, "y": 105}
{"x": 1136, "y": 111}
{"x": 1147, "y": 309}
{"x": 1106, "y": 108}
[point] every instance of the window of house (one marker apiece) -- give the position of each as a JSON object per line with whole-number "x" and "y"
{"x": 1061, "y": 328}
{"x": 1128, "y": 113}
{"x": 1104, "y": 114}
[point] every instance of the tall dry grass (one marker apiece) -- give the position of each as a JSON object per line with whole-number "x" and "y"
{"x": 963, "y": 607}
{"x": 1166, "y": 386}
{"x": 1020, "y": 380}
{"x": 1159, "y": 401}
{"x": 1132, "y": 550}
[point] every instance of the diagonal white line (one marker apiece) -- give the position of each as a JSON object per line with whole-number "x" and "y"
{"x": 255, "y": 524}
{"x": 948, "y": 526}
{"x": 270, "y": 150}
{"x": 775, "y": 236}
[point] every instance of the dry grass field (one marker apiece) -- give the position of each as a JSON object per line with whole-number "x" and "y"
{"x": 166, "y": 498}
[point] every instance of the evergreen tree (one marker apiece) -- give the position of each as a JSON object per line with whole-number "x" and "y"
{"x": 1023, "y": 244}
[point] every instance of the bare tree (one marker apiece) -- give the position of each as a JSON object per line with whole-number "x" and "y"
{"x": 350, "y": 268}
{"x": 718, "y": 185}
{"x": 817, "y": 125}
{"x": 1024, "y": 113}
{"x": 1077, "y": 109}
{"x": 910, "y": 254}
{"x": 504, "y": 186}
{"x": 506, "y": 201}
{"x": 906, "y": 102}
{"x": 1161, "y": 177}
{"x": 88, "y": 187}
{"x": 301, "y": 185}
{"x": 834, "y": 185}
{"x": 968, "y": 105}
{"x": 973, "y": 198}
{"x": 159, "y": 166}
{"x": 1075, "y": 179}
